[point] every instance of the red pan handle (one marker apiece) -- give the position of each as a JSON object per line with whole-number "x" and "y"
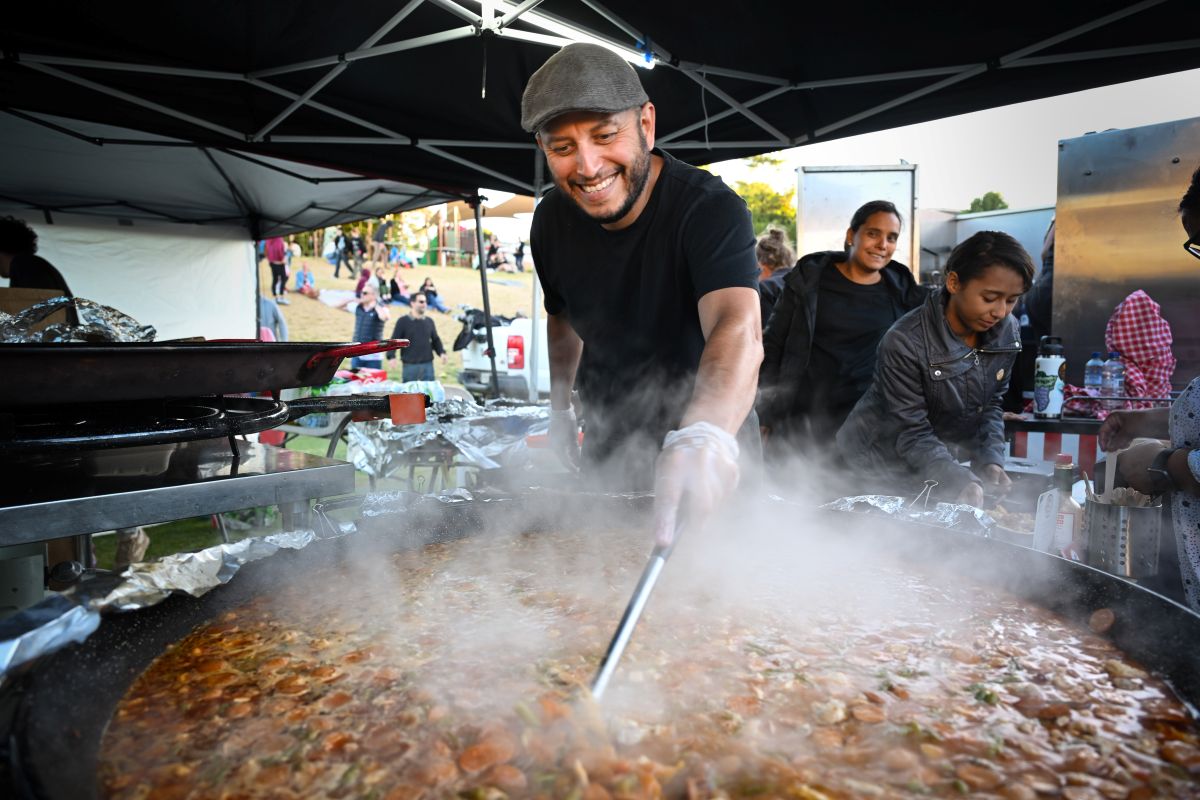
{"x": 359, "y": 349}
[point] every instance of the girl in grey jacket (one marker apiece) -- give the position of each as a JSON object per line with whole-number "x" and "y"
{"x": 941, "y": 373}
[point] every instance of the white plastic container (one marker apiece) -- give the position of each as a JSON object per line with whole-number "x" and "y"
{"x": 1058, "y": 523}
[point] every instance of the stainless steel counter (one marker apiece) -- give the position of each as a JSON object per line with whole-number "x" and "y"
{"x": 62, "y": 494}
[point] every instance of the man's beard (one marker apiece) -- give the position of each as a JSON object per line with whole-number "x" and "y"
{"x": 638, "y": 175}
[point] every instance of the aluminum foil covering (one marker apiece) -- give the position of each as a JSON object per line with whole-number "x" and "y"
{"x": 151, "y": 582}
{"x": 954, "y": 516}
{"x": 488, "y": 437}
{"x": 51, "y": 624}
{"x": 97, "y": 323}
{"x": 382, "y": 504}
{"x": 435, "y": 390}
{"x": 72, "y": 617}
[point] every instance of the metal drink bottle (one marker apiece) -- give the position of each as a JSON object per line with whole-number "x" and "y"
{"x": 1048, "y": 373}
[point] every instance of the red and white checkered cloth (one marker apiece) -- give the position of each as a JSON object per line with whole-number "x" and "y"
{"x": 1139, "y": 333}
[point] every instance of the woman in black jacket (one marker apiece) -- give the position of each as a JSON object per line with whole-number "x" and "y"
{"x": 819, "y": 344}
{"x": 941, "y": 375}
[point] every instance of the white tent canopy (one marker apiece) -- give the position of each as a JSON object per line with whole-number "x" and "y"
{"x": 184, "y": 280}
{"x": 176, "y": 253}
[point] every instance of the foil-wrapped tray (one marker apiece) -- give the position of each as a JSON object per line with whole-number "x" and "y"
{"x": 97, "y": 323}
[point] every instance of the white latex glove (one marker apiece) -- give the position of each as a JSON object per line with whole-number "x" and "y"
{"x": 699, "y": 463}
{"x": 564, "y": 437}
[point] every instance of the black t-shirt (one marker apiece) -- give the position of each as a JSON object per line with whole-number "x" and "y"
{"x": 423, "y": 339}
{"x": 381, "y": 233}
{"x": 769, "y": 291}
{"x": 631, "y": 296}
{"x": 851, "y": 320}
{"x": 35, "y": 272}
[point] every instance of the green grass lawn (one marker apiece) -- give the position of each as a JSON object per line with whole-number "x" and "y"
{"x": 181, "y": 536}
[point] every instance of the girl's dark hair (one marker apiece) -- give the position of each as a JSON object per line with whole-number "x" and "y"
{"x": 772, "y": 249}
{"x": 874, "y": 207}
{"x": 1190, "y": 204}
{"x": 986, "y": 249}
{"x": 16, "y": 237}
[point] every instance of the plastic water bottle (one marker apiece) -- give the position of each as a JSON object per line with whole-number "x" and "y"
{"x": 1112, "y": 381}
{"x": 1093, "y": 372}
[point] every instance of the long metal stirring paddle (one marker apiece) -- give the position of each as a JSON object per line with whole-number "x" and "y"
{"x": 633, "y": 612}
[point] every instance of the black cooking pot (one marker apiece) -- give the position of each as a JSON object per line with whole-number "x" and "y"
{"x": 56, "y": 712}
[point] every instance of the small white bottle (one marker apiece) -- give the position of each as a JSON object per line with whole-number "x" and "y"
{"x": 1058, "y": 524}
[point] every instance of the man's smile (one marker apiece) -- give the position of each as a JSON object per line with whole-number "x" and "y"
{"x": 593, "y": 188}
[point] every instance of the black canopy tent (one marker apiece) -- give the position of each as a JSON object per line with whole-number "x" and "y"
{"x": 427, "y": 92}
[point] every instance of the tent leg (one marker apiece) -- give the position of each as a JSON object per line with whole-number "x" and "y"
{"x": 536, "y": 343}
{"x": 487, "y": 302}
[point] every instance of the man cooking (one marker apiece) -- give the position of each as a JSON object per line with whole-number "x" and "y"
{"x": 651, "y": 292}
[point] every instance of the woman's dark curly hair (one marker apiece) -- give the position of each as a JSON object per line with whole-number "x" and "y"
{"x": 16, "y": 237}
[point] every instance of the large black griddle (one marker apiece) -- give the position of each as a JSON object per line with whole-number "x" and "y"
{"x": 56, "y": 712}
{"x": 66, "y": 373}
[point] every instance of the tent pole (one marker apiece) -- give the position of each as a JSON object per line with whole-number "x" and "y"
{"x": 257, "y": 292}
{"x": 535, "y": 335}
{"x": 477, "y": 205}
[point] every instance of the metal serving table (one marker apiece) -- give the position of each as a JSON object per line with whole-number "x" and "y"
{"x": 44, "y": 496}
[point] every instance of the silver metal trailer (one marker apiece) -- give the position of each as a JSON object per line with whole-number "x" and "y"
{"x": 1027, "y": 225}
{"x": 1118, "y": 231}
{"x": 827, "y": 197}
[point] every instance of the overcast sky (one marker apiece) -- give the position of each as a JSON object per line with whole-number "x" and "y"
{"x": 1012, "y": 150}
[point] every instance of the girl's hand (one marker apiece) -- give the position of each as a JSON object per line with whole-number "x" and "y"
{"x": 995, "y": 475}
{"x": 971, "y": 495}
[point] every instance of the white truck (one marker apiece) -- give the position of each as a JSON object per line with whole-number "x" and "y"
{"x": 512, "y": 339}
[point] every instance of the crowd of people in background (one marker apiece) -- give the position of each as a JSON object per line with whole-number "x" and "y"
{"x": 365, "y": 267}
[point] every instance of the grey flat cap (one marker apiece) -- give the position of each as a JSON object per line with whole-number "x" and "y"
{"x": 580, "y": 77}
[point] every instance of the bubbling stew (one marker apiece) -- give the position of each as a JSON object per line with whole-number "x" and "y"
{"x": 460, "y": 670}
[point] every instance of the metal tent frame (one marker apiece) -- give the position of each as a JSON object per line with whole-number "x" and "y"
{"x": 276, "y": 81}
{"x": 528, "y": 22}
